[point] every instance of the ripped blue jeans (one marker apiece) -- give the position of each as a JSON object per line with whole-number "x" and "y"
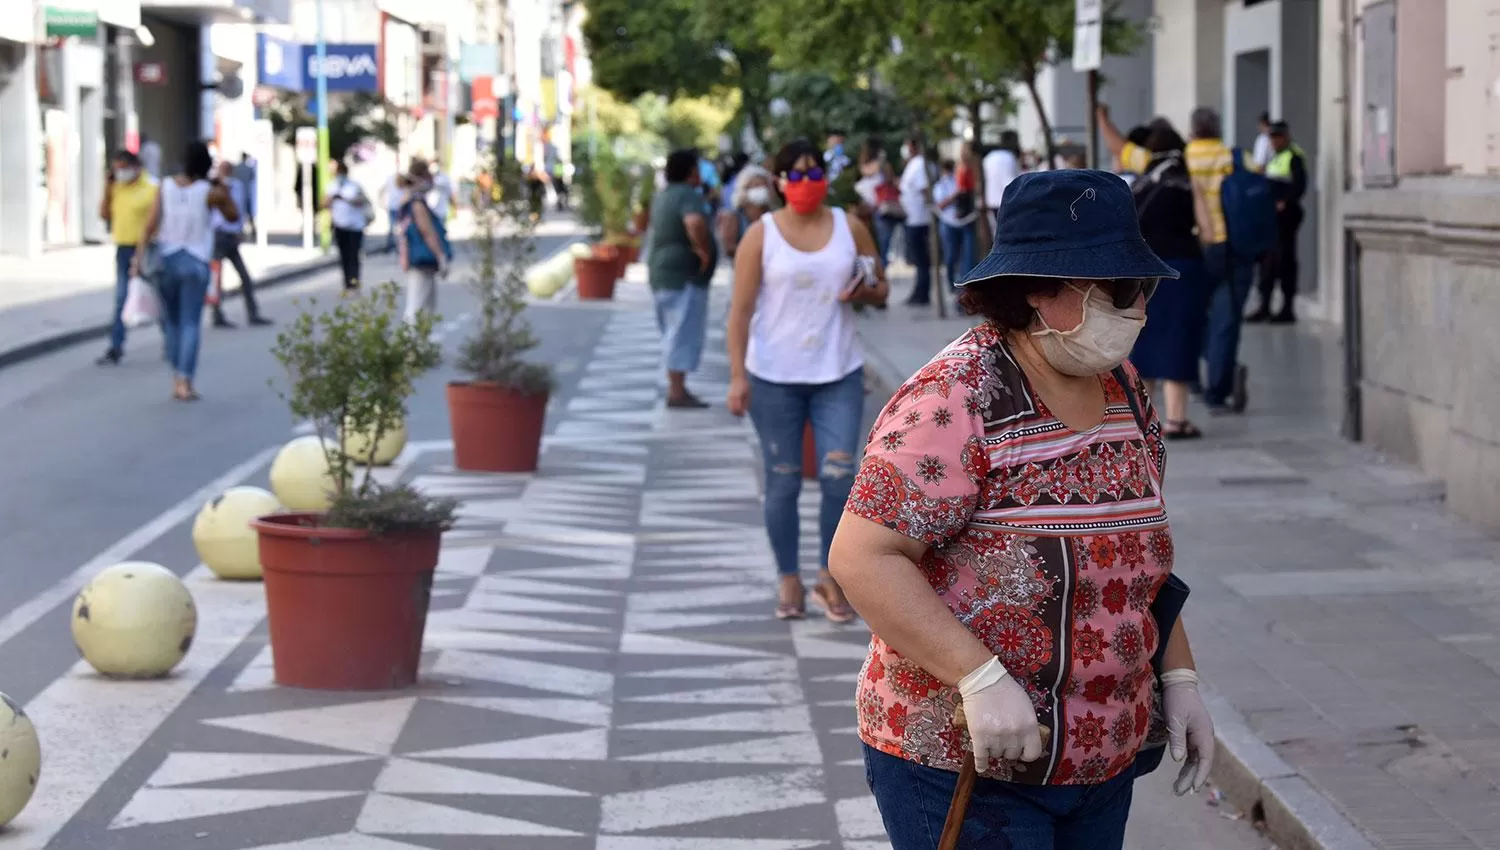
{"x": 780, "y": 412}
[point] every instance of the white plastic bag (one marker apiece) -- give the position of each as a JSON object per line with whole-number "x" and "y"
{"x": 142, "y": 307}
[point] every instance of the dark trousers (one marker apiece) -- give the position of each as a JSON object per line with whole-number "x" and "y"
{"x": 919, "y": 254}
{"x": 227, "y": 247}
{"x": 1230, "y": 278}
{"x": 1280, "y": 266}
{"x": 349, "y": 242}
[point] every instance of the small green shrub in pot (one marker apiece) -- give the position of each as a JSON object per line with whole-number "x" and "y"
{"x": 353, "y": 368}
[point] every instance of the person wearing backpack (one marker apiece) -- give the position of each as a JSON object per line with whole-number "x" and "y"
{"x": 1236, "y": 225}
{"x": 426, "y": 252}
{"x": 1287, "y": 174}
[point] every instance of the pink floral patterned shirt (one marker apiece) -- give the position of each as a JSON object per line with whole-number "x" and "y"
{"x": 1047, "y": 543}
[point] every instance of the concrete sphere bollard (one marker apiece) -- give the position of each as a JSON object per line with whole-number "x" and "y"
{"x": 357, "y": 446}
{"x": 134, "y": 621}
{"x": 20, "y": 759}
{"x": 301, "y": 476}
{"x": 222, "y": 534}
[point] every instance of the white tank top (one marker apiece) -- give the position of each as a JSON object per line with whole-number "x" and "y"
{"x": 801, "y": 333}
{"x": 186, "y": 221}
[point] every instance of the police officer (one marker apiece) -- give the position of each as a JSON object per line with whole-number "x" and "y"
{"x": 1287, "y": 171}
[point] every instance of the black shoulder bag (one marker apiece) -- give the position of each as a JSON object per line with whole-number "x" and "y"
{"x": 1167, "y": 606}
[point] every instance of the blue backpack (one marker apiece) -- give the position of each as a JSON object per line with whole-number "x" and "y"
{"x": 1249, "y": 210}
{"x": 418, "y": 254}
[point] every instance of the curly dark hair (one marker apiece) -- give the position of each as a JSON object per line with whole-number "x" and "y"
{"x": 1002, "y": 300}
{"x": 787, "y": 157}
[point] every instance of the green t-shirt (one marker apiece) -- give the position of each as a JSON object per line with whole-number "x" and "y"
{"x": 670, "y": 261}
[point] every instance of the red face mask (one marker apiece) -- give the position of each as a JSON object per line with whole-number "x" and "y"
{"x": 804, "y": 196}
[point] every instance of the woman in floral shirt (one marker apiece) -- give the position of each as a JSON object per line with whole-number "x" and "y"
{"x": 1006, "y": 537}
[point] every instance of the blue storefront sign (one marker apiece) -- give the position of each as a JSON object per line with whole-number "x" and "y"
{"x": 293, "y": 66}
{"x": 346, "y": 67}
{"x": 280, "y": 62}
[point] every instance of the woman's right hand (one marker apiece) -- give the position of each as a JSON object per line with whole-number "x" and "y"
{"x": 1002, "y": 722}
{"x": 739, "y": 396}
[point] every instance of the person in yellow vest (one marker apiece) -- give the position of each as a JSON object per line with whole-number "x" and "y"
{"x": 129, "y": 194}
{"x": 1287, "y": 171}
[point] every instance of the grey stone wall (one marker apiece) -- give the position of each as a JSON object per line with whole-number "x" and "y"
{"x": 1429, "y": 314}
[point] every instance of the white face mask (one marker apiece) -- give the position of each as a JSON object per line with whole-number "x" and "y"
{"x": 125, "y": 175}
{"x": 1102, "y": 340}
{"x": 760, "y": 196}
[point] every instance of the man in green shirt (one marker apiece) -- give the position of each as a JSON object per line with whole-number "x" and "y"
{"x": 680, "y": 260}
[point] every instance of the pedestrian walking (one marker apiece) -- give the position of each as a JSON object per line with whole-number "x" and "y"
{"x": 916, "y": 203}
{"x": 794, "y": 359}
{"x": 129, "y": 197}
{"x": 227, "y": 237}
{"x": 1168, "y": 349}
{"x": 956, "y": 215}
{"x": 1287, "y": 171}
{"x": 1264, "y": 148}
{"x": 425, "y": 250}
{"x": 248, "y": 174}
{"x": 392, "y": 196}
{"x": 352, "y": 212}
{"x": 753, "y": 196}
{"x": 1006, "y": 540}
{"x": 882, "y": 191}
{"x": 680, "y": 261}
{"x": 442, "y": 197}
{"x": 1001, "y": 165}
{"x": 182, "y": 225}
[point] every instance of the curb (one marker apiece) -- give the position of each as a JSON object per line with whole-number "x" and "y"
{"x": 66, "y": 339}
{"x": 1252, "y": 776}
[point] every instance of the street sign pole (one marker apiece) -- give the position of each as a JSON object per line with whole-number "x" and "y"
{"x": 322, "y": 86}
{"x": 1088, "y": 54}
{"x": 307, "y": 156}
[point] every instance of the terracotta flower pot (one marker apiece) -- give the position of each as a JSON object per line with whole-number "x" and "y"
{"x": 347, "y": 608}
{"x": 496, "y": 429}
{"x": 809, "y": 453}
{"x": 596, "y": 277}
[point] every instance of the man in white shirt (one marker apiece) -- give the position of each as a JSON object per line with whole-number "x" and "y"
{"x": 916, "y": 199}
{"x": 1001, "y": 165}
{"x": 1263, "y": 150}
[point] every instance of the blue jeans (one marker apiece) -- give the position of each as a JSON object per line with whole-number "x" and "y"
{"x": 885, "y": 228}
{"x": 919, "y": 254}
{"x": 958, "y": 250}
{"x": 123, "y": 255}
{"x": 1231, "y": 279}
{"x": 183, "y": 284}
{"x": 914, "y": 799}
{"x": 682, "y": 317}
{"x": 780, "y": 412}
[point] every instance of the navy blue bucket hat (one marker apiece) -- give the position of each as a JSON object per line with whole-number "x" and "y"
{"x": 1077, "y": 223}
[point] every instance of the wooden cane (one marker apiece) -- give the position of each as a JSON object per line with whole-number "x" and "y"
{"x": 958, "y": 808}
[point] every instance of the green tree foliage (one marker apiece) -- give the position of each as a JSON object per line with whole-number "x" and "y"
{"x": 355, "y": 118}
{"x": 818, "y": 102}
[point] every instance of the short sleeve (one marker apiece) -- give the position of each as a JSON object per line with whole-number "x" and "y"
{"x": 925, "y": 461}
{"x": 691, "y": 204}
{"x": 1134, "y": 158}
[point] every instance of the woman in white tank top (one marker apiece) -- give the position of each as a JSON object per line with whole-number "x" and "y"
{"x": 794, "y": 359}
{"x": 181, "y": 225}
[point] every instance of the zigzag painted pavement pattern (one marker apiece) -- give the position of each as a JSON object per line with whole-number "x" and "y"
{"x": 601, "y": 672}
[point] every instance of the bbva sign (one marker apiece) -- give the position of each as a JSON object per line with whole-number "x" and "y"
{"x": 341, "y": 67}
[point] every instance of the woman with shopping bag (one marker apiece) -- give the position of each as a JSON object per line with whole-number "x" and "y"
{"x": 1007, "y": 541}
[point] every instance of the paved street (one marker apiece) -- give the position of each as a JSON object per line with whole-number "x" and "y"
{"x": 602, "y": 669}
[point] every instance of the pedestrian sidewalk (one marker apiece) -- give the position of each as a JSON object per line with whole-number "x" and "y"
{"x": 65, "y": 296}
{"x": 1347, "y": 626}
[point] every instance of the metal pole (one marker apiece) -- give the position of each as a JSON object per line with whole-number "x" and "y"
{"x": 322, "y": 95}
{"x": 1093, "y": 83}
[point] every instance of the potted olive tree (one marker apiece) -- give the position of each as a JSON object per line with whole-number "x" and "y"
{"x": 497, "y": 416}
{"x": 615, "y": 187}
{"x": 597, "y": 270}
{"x": 347, "y": 589}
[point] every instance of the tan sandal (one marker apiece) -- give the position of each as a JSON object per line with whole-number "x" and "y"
{"x": 836, "y": 612}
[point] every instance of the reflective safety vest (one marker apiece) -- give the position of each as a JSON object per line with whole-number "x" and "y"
{"x": 1280, "y": 166}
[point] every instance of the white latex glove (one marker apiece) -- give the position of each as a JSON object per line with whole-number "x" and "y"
{"x": 1190, "y": 730}
{"x": 1002, "y": 722}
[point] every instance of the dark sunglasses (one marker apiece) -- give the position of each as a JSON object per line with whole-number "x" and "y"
{"x": 797, "y": 176}
{"x": 1127, "y": 289}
